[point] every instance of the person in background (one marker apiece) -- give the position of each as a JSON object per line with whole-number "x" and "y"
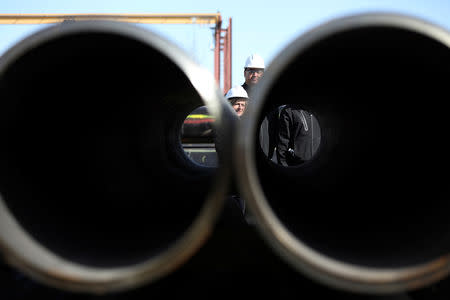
{"x": 238, "y": 97}
{"x": 298, "y": 136}
{"x": 253, "y": 71}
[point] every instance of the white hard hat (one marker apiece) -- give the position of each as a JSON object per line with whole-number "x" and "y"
{"x": 254, "y": 61}
{"x": 236, "y": 92}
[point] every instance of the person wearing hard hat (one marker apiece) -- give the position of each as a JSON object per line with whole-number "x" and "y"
{"x": 253, "y": 71}
{"x": 238, "y": 99}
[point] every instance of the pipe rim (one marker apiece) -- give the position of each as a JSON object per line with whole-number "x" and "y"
{"x": 298, "y": 254}
{"x": 23, "y": 252}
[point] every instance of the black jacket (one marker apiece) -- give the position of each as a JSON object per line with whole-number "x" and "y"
{"x": 298, "y": 136}
{"x": 268, "y": 133}
{"x": 247, "y": 88}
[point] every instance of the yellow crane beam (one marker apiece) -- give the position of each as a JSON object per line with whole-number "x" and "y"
{"x": 169, "y": 18}
{"x": 129, "y": 18}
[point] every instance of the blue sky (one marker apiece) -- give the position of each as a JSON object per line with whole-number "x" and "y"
{"x": 264, "y": 27}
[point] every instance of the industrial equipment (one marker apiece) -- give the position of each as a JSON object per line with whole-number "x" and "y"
{"x": 99, "y": 198}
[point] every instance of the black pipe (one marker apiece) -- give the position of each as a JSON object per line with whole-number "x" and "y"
{"x": 93, "y": 177}
{"x": 368, "y": 212}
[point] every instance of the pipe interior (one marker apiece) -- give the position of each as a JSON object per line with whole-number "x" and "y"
{"x": 376, "y": 193}
{"x": 91, "y": 163}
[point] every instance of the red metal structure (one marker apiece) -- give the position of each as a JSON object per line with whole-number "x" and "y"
{"x": 222, "y": 36}
{"x": 223, "y": 44}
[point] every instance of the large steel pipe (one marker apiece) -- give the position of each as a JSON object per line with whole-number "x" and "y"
{"x": 369, "y": 211}
{"x": 96, "y": 193}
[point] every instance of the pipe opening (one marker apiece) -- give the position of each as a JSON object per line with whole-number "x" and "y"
{"x": 91, "y": 163}
{"x": 198, "y": 137}
{"x": 375, "y": 193}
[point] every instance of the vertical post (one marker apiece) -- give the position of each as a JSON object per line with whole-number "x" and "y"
{"x": 217, "y": 36}
{"x": 227, "y": 59}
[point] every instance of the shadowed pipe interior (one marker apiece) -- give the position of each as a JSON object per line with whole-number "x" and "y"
{"x": 376, "y": 194}
{"x": 91, "y": 163}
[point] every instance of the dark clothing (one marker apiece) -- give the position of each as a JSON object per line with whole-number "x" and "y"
{"x": 248, "y": 89}
{"x": 268, "y": 133}
{"x": 268, "y": 129}
{"x": 299, "y": 136}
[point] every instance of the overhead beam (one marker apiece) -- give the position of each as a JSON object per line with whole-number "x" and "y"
{"x": 169, "y": 18}
{"x": 130, "y": 18}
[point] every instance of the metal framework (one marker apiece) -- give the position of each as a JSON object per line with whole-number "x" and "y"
{"x": 222, "y": 36}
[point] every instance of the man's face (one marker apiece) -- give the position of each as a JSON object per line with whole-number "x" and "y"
{"x": 252, "y": 75}
{"x": 239, "y": 107}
